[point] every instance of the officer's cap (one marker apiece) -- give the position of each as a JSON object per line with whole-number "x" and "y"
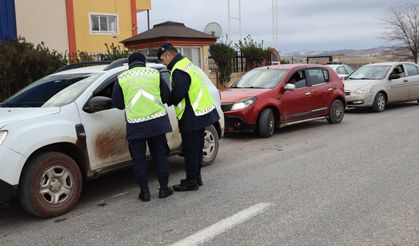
{"x": 136, "y": 56}
{"x": 164, "y": 47}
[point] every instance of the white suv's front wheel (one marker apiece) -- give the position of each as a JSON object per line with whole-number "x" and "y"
{"x": 51, "y": 185}
{"x": 211, "y": 145}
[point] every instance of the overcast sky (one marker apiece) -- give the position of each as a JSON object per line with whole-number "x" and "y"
{"x": 314, "y": 25}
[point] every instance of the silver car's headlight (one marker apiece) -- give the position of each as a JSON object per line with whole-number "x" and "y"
{"x": 364, "y": 90}
{"x": 3, "y": 135}
{"x": 243, "y": 104}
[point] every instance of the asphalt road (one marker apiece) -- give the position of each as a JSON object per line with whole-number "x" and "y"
{"x": 353, "y": 183}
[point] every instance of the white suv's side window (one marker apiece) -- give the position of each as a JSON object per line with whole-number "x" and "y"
{"x": 107, "y": 90}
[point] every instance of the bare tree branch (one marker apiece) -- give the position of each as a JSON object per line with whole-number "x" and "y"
{"x": 402, "y": 25}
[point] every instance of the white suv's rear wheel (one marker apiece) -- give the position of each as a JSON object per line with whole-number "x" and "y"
{"x": 211, "y": 145}
{"x": 51, "y": 185}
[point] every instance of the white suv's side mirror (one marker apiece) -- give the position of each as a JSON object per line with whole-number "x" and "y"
{"x": 289, "y": 87}
{"x": 98, "y": 103}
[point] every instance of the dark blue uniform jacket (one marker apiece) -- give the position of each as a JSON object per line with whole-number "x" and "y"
{"x": 148, "y": 128}
{"x": 180, "y": 86}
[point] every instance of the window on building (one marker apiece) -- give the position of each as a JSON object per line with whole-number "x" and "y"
{"x": 103, "y": 23}
{"x": 192, "y": 53}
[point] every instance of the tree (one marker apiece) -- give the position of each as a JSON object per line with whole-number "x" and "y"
{"x": 223, "y": 55}
{"x": 402, "y": 25}
{"x": 114, "y": 52}
{"x": 22, "y": 62}
{"x": 254, "y": 52}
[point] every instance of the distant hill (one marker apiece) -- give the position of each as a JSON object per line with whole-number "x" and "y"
{"x": 347, "y": 52}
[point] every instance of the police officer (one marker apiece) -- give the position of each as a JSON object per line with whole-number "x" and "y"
{"x": 195, "y": 111}
{"x": 142, "y": 93}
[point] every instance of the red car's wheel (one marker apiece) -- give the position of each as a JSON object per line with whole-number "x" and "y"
{"x": 266, "y": 123}
{"x": 336, "y": 112}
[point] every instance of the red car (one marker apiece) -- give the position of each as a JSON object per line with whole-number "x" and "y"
{"x": 277, "y": 96}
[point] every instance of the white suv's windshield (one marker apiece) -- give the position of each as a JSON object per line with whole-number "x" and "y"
{"x": 52, "y": 90}
{"x": 261, "y": 78}
{"x": 374, "y": 72}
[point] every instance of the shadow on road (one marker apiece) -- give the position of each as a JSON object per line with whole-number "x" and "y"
{"x": 94, "y": 191}
{"x": 388, "y": 108}
{"x": 245, "y": 136}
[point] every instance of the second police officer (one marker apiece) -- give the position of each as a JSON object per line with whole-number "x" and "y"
{"x": 195, "y": 111}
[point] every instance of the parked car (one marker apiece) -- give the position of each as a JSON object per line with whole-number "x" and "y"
{"x": 272, "y": 96}
{"x": 63, "y": 129}
{"x": 342, "y": 70}
{"x": 377, "y": 85}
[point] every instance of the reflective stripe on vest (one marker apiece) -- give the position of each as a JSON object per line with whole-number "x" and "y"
{"x": 141, "y": 89}
{"x": 201, "y": 100}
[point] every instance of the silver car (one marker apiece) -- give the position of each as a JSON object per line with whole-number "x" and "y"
{"x": 342, "y": 70}
{"x": 376, "y": 85}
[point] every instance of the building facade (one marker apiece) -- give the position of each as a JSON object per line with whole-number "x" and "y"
{"x": 71, "y": 25}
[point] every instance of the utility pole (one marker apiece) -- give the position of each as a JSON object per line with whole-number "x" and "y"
{"x": 275, "y": 24}
{"x": 234, "y": 18}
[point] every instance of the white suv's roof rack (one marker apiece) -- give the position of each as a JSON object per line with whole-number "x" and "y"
{"x": 83, "y": 64}
{"x": 110, "y": 64}
{"x": 116, "y": 63}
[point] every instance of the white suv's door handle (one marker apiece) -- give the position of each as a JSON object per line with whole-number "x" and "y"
{"x": 307, "y": 93}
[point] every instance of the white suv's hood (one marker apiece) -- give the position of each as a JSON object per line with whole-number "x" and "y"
{"x": 11, "y": 115}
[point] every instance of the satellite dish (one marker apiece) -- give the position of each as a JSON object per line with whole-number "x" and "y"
{"x": 213, "y": 29}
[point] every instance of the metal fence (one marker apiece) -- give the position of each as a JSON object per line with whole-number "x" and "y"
{"x": 85, "y": 56}
{"x": 238, "y": 63}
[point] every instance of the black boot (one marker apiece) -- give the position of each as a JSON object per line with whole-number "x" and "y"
{"x": 165, "y": 191}
{"x": 187, "y": 185}
{"x": 144, "y": 194}
{"x": 198, "y": 180}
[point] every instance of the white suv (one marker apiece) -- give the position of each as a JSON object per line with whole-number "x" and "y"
{"x": 62, "y": 129}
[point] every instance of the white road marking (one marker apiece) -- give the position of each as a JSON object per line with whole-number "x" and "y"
{"x": 222, "y": 226}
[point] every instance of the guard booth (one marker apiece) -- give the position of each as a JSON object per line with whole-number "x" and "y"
{"x": 319, "y": 59}
{"x": 190, "y": 43}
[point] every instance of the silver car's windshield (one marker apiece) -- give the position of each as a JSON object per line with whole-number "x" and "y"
{"x": 261, "y": 78}
{"x": 370, "y": 72}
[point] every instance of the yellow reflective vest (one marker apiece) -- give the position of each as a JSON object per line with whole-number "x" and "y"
{"x": 141, "y": 89}
{"x": 201, "y": 100}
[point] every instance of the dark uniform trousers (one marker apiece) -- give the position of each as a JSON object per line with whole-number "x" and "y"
{"x": 192, "y": 149}
{"x": 159, "y": 151}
